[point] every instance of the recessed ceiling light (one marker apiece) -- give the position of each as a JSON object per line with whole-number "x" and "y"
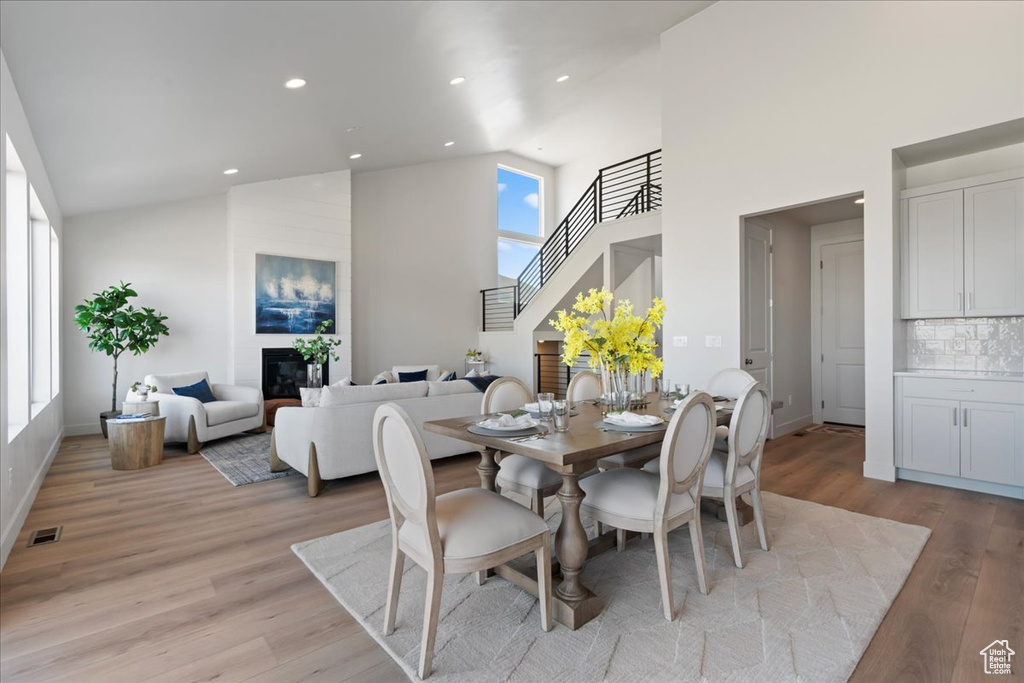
{"x": 858, "y": 200}
{"x": 231, "y": 171}
{"x": 562, "y": 79}
{"x": 354, "y": 156}
{"x": 457, "y": 80}
{"x": 449, "y": 143}
{"x": 293, "y": 83}
{"x": 352, "y": 129}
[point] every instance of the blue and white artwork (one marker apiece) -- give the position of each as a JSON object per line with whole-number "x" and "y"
{"x": 293, "y": 295}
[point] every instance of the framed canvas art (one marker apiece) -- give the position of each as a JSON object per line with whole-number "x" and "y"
{"x": 294, "y": 295}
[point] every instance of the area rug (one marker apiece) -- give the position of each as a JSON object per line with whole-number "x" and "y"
{"x": 242, "y": 459}
{"x": 804, "y": 611}
{"x": 841, "y": 430}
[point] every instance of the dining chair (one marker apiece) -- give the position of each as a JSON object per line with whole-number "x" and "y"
{"x": 468, "y": 530}
{"x": 737, "y": 470}
{"x": 525, "y": 476}
{"x": 637, "y": 500}
{"x": 728, "y": 383}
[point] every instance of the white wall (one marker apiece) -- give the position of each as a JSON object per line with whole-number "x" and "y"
{"x": 175, "y": 257}
{"x": 868, "y": 77}
{"x": 25, "y": 459}
{"x": 302, "y": 217}
{"x": 628, "y": 108}
{"x": 424, "y": 245}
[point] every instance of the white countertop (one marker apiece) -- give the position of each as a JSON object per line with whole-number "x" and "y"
{"x": 962, "y": 374}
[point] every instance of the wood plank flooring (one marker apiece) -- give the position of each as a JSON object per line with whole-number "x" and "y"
{"x": 172, "y": 574}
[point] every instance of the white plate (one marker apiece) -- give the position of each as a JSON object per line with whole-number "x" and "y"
{"x": 511, "y": 428}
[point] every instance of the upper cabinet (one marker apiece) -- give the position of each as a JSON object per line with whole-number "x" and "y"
{"x": 963, "y": 251}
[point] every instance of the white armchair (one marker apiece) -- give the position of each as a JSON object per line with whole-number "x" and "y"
{"x": 237, "y": 409}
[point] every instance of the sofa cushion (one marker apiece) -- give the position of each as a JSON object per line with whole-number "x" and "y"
{"x": 219, "y": 412}
{"x": 345, "y": 396}
{"x": 165, "y": 383}
{"x": 200, "y": 390}
{"x": 418, "y": 376}
{"x": 447, "y": 388}
{"x": 382, "y": 378}
{"x": 433, "y": 371}
{"x": 449, "y": 376}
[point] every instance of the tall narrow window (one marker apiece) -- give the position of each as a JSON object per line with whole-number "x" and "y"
{"x": 17, "y": 257}
{"x": 40, "y": 313}
{"x": 54, "y": 314}
{"x": 520, "y": 222}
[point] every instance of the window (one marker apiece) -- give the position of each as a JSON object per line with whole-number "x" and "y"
{"x": 54, "y": 314}
{"x": 40, "y": 313}
{"x": 17, "y": 248}
{"x": 520, "y": 221}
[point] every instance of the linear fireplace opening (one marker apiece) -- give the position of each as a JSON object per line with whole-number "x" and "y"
{"x": 284, "y": 372}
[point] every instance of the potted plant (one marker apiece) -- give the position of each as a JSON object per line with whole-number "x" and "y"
{"x": 113, "y": 326}
{"x": 316, "y": 352}
{"x": 142, "y": 390}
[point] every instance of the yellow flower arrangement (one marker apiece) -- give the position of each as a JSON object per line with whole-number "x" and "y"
{"x": 624, "y": 343}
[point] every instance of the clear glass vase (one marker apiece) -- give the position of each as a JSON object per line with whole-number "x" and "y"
{"x": 314, "y": 375}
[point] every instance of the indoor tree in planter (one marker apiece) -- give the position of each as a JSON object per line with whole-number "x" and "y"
{"x": 114, "y": 326}
{"x": 316, "y": 352}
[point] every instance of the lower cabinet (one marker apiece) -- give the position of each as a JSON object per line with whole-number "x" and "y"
{"x": 941, "y": 433}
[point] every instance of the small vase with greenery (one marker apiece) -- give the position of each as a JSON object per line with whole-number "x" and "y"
{"x": 316, "y": 352}
{"x": 142, "y": 390}
{"x": 113, "y": 326}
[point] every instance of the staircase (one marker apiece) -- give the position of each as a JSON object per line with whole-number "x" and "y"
{"x": 627, "y": 188}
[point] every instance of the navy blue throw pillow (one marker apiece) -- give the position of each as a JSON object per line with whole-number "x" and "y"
{"x": 200, "y": 390}
{"x": 380, "y": 381}
{"x": 420, "y": 376}
{"x": 449, "y": 377}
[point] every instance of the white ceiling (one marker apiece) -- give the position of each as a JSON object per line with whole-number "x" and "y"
{"x": 827, "y": 211}
{"x": 140, "y": 102}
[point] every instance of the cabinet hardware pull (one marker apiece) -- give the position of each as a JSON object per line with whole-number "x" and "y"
{"x": 959, "y": 301}
{"x": 965, "y": 417}
{"x": 955, "y": 411}
{"x": 970, "y": 300}
{"x": 962, "y": 391}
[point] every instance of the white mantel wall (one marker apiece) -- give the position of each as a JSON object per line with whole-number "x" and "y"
{"x": 303, "y": 217}
{"x": 768, "y": 105}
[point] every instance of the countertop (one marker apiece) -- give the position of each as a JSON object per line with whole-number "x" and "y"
{"x": 962, "y": 374}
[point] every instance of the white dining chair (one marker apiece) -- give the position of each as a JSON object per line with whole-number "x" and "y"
{"x": 737, "y": 470}
{"x": 525, "y": 476}
{"x": 468, "y": 530}
{"x": 637, "y": 500}
{"x": 728, "y": 383}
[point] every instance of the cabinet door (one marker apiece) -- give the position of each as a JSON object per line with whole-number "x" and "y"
{"x": 931, "y": 435}
{"x": 935, "y": 256}
{"x": 994, "y": 249}
{"x": 992, "y": 442}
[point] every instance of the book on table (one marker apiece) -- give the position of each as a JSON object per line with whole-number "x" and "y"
{"x": 132, "y": 417}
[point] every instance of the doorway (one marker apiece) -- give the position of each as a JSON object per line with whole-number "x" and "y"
{"x": 802, "y": 311}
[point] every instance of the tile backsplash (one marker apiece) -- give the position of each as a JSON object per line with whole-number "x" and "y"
{"x": 966, "y": 344}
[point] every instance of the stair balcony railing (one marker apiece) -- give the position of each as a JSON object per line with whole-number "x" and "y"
{"x": 627, "y": 188}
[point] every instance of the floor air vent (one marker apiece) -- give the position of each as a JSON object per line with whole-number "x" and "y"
{"x": 41, "y": 536}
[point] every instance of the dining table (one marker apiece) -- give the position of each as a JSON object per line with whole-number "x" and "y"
{"x": 571, "y": 454}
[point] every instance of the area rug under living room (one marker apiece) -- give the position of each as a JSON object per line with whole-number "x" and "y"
{"x": 242, "y": 459}
{"x": 805, "y": 610}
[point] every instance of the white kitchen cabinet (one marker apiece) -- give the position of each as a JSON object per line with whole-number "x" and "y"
{"x": 994, "y": 249}
{"x": 963, "y": 430}
{"x": 963, "y": 249}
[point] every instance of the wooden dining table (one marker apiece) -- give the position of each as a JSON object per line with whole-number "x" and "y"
{"x": 570, "y": 454}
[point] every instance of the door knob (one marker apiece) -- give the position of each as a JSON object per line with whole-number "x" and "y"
{"x": 748, "y": 361}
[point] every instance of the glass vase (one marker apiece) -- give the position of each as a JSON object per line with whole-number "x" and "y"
{"x": 314, "y": 375}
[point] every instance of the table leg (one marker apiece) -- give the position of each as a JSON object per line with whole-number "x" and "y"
{"x": 571, "y": 542}
{"x": 487, "y": 469}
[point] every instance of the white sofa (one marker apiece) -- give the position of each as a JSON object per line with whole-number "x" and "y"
{"x": 236, "y": 410}
{"x": 334, "y": 440}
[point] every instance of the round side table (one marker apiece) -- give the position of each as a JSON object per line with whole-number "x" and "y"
{"x": 137, "y": 444}
{"x": 151, "y": 407}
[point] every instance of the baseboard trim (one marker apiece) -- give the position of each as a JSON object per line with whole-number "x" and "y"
{"x": 10, "y": 534}
{"x": 82, "y": 430}
{"x": 960, "y": 483}
{"x": 790, "y": 426}
{"x": 879, "y": 470}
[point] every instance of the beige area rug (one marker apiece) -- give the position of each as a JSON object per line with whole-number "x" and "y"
{"x": 804, "y": 611}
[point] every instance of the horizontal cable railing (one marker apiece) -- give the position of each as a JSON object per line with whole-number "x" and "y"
{"x": 553, "y": 375}
{"x": 624, "y": 189}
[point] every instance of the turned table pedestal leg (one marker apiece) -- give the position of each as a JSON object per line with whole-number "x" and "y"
{"x": 575, "y": 604}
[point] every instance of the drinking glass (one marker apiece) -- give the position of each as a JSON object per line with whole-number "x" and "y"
{"x": 665, "y": 388}
{"x": 561, "y": 411}
{"x": 544, "y": 401}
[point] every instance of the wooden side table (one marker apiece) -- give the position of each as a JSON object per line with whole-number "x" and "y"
{"x": 131, "y": 407}
{"x": 136, "y": 445}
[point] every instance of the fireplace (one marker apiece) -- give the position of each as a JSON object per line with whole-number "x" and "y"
{"x": 284, "y": 372}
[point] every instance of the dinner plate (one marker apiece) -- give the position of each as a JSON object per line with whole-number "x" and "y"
{"x": 510, "y": 428}
{"x": 484, "y": 431}
{"x": 601, "y": 424}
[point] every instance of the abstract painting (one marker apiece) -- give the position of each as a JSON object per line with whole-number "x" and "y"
{"x": 293, "y": 295}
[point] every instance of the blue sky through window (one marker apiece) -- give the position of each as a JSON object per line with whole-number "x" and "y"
{"x": 513, "y": 257}
{"x": 518, "y": 203}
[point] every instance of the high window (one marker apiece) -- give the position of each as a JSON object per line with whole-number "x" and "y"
{"x": 17, "y": 248}
{"x": 520, "y": 221}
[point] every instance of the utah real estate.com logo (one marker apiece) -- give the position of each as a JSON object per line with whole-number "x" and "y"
{"x": 997, "y": 657}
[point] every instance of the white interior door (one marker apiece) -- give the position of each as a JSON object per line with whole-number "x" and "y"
{"x": 842, "y": 332}
{"x": 756, "y": 302}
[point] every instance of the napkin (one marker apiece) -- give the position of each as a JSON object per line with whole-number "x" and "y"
{"x": 628, "y": 419}
{"x": 505, "y": 421}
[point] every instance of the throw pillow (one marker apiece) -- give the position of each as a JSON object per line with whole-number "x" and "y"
{"x": 448, "y": 377}
{"x": 472, "y": 373}
{"x": 420, "y": 376}
{"x": 344, "y": 382}
{"x": 200, "y": 390}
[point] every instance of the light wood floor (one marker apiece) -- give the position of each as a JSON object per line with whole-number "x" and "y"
{"x": 172, "y": 574}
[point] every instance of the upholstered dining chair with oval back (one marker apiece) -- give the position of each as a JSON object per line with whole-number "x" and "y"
{"x": 527, "y": 477}
{"x": 638, "y": 500}
{"x": 728, "y": 383}
{"x": 464, "y": 531}
{"x": 737, "y": 470}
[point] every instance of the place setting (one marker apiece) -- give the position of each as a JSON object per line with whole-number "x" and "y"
{"x": 514, "y": 425}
